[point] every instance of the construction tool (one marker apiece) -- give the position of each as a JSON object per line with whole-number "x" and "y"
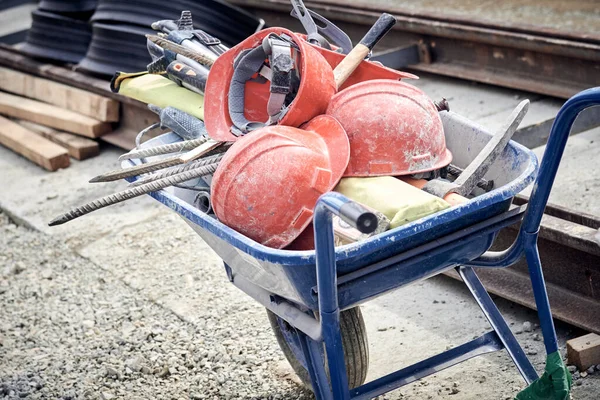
{"x": 130, "y": 193}
{"x": 362, "y": 49}
{"x": 484, "y": 184}
{"x": 198, "y": 152}
{"x": 326, "y": 28}
{"x": 176, "y": 147}
{"x": 168, "y": 25}
{"x": 190, "y": 37}
{"x": 442, "y": 105}
{"x": 467, "y": 180}
{"x": 181, "y": 70}
{"x": 188, "y": 77}
{"x": 155, "y": 51}
{"x": 181, "y": 123}
{"x": 456, "y": 192}
{"x": 451, "y": 198}
{"x": 197, "y": 41}
{"x": 181, "y": 50}
{"x": 159, "y": 65}
{"x": 313, "y": 35}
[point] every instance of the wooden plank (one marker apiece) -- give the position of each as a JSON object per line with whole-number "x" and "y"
{"x": 32, "y": 146}
{"x": 10, "y": 57}
{"x": 584, "y": 351}
{"x": 67, "y": 97}
{"x": 78, "y": 147}
{"x": 52, "y": 116}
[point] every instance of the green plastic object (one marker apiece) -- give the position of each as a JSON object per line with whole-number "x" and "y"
{"x": 400, "y": 202}
{"x": 555, "y": 384}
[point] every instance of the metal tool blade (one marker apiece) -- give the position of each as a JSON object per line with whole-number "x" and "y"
{"x": 468, "y": 179}
{"x": 182, "y": 50}
{"x": 309, "y": 25}
{"x": 328, "y": 29}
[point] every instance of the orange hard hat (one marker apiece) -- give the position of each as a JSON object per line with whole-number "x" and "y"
{"x": 268, "y": 183}
{"x": 253, "y": 97}
{"x": 393, "y": 128}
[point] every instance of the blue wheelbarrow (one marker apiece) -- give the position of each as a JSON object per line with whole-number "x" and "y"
{"x": 313, "y": 296}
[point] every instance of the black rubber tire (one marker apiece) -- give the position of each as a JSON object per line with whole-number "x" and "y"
{"x": 354, "y": 341}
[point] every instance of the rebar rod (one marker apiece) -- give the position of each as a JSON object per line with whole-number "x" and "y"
{"x": 130, "y": 193}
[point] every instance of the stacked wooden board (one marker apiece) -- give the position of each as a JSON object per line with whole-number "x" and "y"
{"x": 46, "y": 121}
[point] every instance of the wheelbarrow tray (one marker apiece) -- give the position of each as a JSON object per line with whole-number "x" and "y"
{"x": 386, "y": 261}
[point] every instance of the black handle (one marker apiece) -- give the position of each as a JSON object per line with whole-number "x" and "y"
{"x": 377, "y": 31}
{"x": 358, "y": 217}
{"x": 186, "y": 74}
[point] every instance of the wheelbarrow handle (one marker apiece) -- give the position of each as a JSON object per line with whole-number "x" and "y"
{"x": 559, "y": 134}
{"x": 354, "y": 214}
{"x": 557, "y": 141}
{"x": 329, "y": 313}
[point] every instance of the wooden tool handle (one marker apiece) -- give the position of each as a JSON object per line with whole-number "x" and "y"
{"x": 452, "y": 198}
{"x": 361, "y": 50}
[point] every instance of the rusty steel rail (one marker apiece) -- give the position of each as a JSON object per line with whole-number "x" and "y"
{"x": 542, "y": 61}
{"x": 571, "y": 262}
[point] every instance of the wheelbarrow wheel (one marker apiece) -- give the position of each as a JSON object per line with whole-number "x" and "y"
{"x": 354, "y": 340}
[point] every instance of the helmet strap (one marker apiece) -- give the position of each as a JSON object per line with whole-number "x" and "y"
{"x": 278, "y": 51}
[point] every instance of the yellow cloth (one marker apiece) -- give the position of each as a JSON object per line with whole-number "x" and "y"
{"x": 160, "y": 91}
{"x": 397, "y": 200}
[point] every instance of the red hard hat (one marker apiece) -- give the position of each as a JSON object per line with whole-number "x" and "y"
{"x": 315, "y": 89}
{"x": 393, "y": 128}
{"x": 268, "y": 183}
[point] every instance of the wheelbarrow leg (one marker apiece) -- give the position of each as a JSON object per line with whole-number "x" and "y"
{"x": 329, "y": 311}
{"x": 498, "y": 323}
{"x": 315, "y": 364}
{"x": 540, "y": 294}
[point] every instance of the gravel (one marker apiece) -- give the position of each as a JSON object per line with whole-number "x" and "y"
{"x": 69, "y": 330}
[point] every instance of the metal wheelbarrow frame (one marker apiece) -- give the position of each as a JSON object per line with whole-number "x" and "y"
{"x": 297, "y": 285}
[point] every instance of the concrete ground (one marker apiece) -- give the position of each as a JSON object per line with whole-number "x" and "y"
{"x": 155, "y": 257}
{"x": 580, "y": 17}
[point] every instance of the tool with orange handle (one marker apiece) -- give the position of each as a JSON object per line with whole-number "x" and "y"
{"x": 451, "y": 198}
{"x": 455, "y": 192}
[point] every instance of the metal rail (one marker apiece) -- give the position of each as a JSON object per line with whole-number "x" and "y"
{"x": 571, "y": 262}
{"x": 542, "y": 61}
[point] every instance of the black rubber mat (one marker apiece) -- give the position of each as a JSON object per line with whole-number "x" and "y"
{"x": 116, "y": 48}
{"x": 229, "y": 23}
{"x": 57, "y": 37}
{"x": 68, "y": 6}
